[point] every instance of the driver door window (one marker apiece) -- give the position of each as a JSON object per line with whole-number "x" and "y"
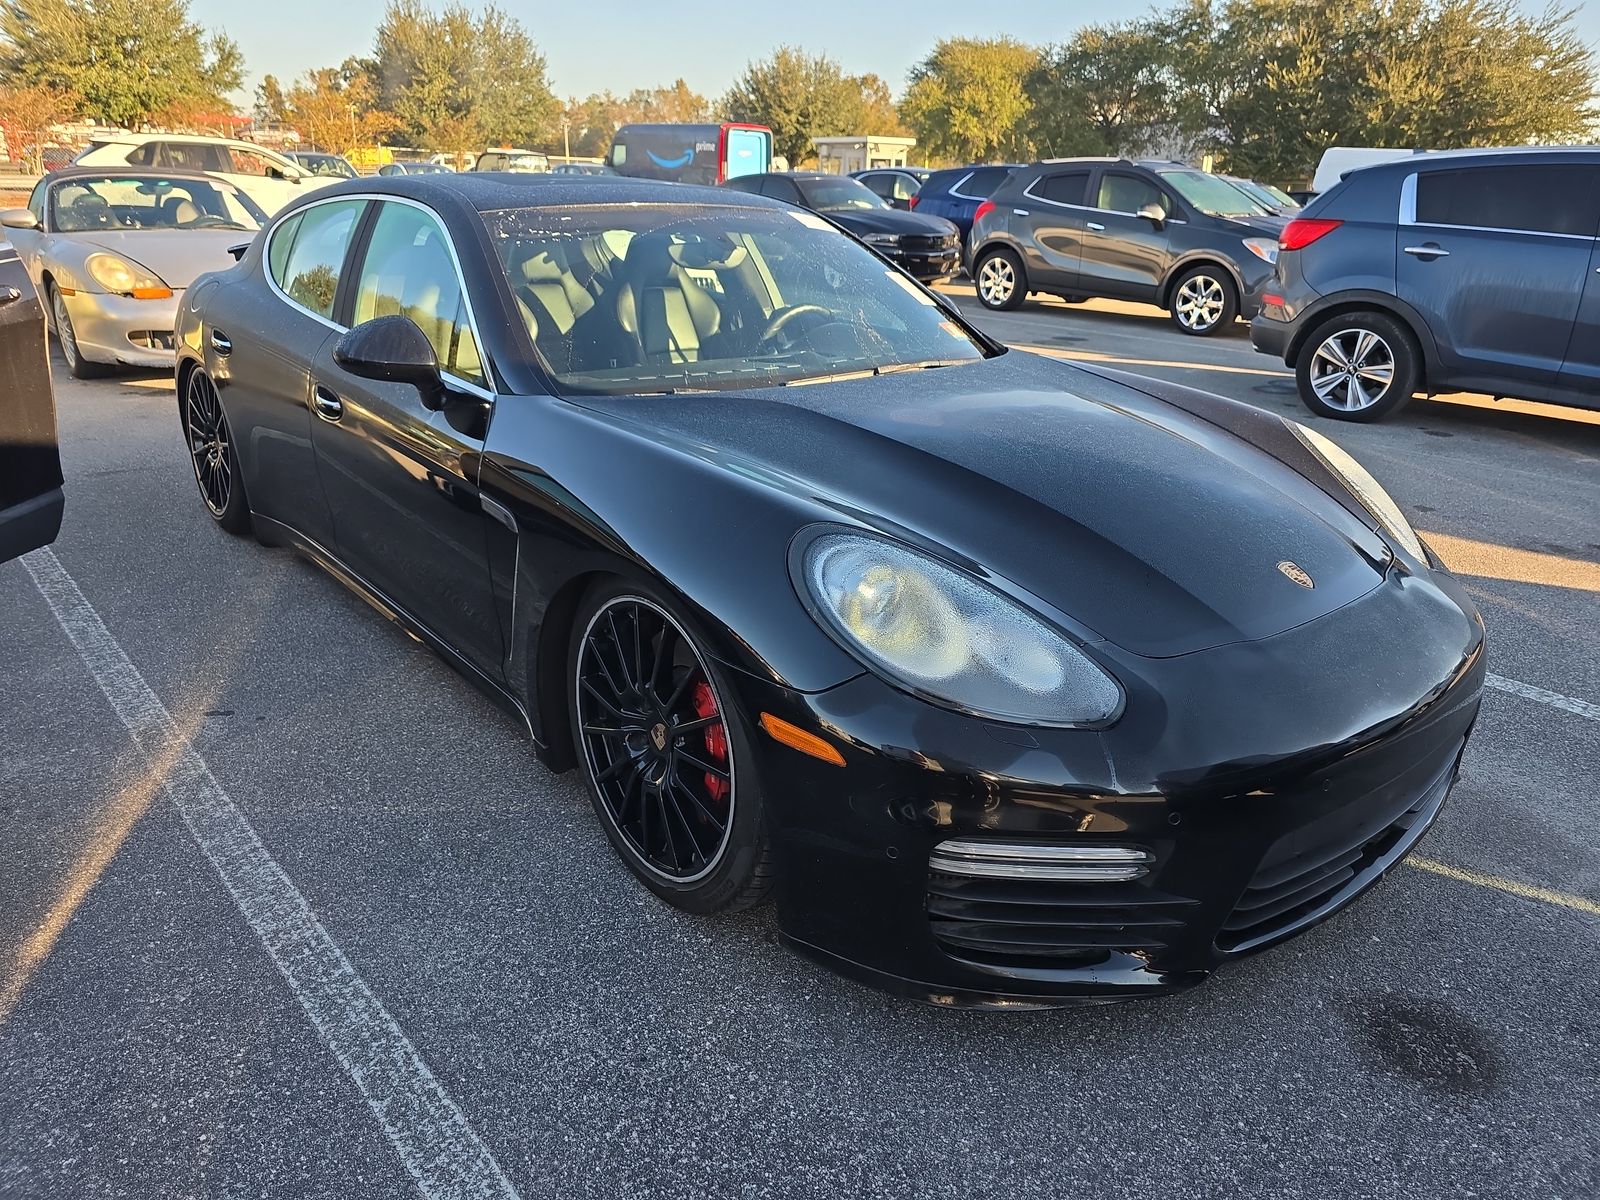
{"x": 246, "y": 162}
{"x": 408, "y": 271}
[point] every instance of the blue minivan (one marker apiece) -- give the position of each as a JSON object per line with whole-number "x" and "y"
{"x": 1473, "y": 271}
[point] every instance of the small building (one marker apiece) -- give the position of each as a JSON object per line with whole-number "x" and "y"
{"x": 858, "y": 152}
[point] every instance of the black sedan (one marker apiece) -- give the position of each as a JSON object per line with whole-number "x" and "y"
{"x": 927, "y": 247}
{"x": 1014, "y": 682}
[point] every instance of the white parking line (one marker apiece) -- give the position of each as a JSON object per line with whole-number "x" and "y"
{"x": 1554, "y": 699}
{"x": 439, "y": 1149}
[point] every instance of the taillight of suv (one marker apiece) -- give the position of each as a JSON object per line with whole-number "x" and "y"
{"x": 983, "y": 211}
{"x": 911, "y": 203}
{"x": 1302, "y": 231}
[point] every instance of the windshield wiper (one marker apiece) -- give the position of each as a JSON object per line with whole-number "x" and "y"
{"x": 871, "y": 372}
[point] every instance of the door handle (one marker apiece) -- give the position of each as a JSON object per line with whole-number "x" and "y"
{"x": 1428, "y": 251}
{"x": 329, "y": 407}
{"x": 9, "y": 295}
{"x": 220, "y": 343}
{"x": 1097, "y": 227}
{"x": 1019, "y": 212}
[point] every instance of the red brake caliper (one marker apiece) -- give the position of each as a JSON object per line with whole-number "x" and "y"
{"x": 705, "y": 705}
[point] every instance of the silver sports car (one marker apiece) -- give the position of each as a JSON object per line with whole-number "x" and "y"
{"x": 112, "y": 251}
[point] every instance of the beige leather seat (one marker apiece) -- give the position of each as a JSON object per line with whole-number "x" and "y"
{"x": 667, "y": 313}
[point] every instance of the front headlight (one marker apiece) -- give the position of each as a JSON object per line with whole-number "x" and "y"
{"x": 881, "y": 239}
{"x": 1266, "y": 249}
{"x": 949, "y": 637}
{"x": 124, "y": 278}
{"x": 1363, "y": 486}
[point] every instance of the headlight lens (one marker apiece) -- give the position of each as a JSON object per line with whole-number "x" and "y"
{"x": 121, "y": 276}
{"x": 881, "y": 239}
{"x": 1266, "y": 249}
{"x": 950, "y": 637}
{"x": 1364, "y": 487}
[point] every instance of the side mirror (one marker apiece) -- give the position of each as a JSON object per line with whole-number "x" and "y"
{"x": 1154, "y": 213}
{"x": 19, "y": 218}
{"x": 238, "y": 252}
{"x": 393, "y": 350}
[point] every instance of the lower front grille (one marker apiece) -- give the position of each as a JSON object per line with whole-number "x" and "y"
{"x": 152, "y": 339}
{"x": 1298, "y": 883}
{"x": 1025, "y": 923}
{"x": 923, "y": 245}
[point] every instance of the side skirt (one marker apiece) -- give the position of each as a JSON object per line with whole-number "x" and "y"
{"x": 276, "y": 533}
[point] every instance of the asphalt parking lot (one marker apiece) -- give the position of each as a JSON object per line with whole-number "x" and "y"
{"x": 445, "y": 903}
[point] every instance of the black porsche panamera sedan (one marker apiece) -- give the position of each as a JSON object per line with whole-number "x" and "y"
{"x": 1015, "y": 682}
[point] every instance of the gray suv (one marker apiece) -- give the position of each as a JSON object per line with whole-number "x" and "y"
{"x": 1147, "y": 230}
{"x": 1457, "y": 271}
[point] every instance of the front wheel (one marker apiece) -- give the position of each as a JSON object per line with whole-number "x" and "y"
{"x": 212, "y": 454}
{"x": 668, "y": 758}
{"x": 1002, "y": 283}
{"x": 1361, "y": 366}
{"x": 1204, "y": 300}
{"x": 67, "y": 337}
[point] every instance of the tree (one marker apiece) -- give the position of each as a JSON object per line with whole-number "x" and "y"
{"x": 1273, "y": 83}
{"x": 450, "y": 70}
{"x": 271, "y": 104}
{"x": 1107, "y": 91}
{"x": 800, "y": 97}
{"x": 967, "y": 99}
{"x": 335, "y": 109}
{"x": 678, "y": 104}
{"x": 26, "y": 115}
{"x": 128, "y": 59}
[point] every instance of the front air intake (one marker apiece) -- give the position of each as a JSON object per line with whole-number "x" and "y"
{"x": 1022, "y": 860}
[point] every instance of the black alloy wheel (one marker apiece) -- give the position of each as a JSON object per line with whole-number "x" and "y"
{"x": 661, "y": 751}
{"x": 211, "y": 452}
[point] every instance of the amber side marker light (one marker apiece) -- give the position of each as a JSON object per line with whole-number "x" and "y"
{"x": 151, "y": 293}
{"x": 796, "y": 738}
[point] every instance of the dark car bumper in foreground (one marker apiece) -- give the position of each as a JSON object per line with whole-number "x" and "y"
{"x": 1275, "y": 796}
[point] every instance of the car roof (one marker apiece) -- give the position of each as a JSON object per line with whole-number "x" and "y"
{"x": 131, "y": 173}
{"x": 139, "y": 139}
{"x": 488, "y": 191}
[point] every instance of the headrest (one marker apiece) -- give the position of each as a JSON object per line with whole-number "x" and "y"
{"x": 716, "y": 254}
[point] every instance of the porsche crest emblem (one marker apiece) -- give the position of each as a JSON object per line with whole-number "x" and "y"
{"x": 1294, "y": 573}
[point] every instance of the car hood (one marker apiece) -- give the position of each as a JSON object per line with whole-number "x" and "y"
{"x": 891, "y": 220}
{"x": 176, "y": 256}
{"x": 1139, "y": 522}
{"x": 1265, "y": 225}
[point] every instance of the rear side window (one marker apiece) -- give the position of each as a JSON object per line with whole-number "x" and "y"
{"x": 310, "y": 274}
{"x": 883, "y": 185}
{"x": 1537, "y": 199}
{"x": 980, "y": 185}
{"x": 189, "y": 156}
{"x": 1066, "y": 187}
{"x": 781, "y": 189}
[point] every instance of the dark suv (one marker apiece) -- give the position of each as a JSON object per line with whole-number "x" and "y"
{"x": 956, "y": 192}
{"x": 1159, "y": 232}
{"x": 1457, "y": 271}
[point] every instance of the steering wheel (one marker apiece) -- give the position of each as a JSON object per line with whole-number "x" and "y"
{"x": 781, "y": 319}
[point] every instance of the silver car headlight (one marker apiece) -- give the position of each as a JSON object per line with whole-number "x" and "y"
{"x": 949, "y": 637}
{"x": 124, "y": 278}
{"x": 1363, "y": 487}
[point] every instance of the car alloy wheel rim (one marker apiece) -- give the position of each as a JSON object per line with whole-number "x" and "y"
{"x": 207, "y": 429}
{"x": 654, "y": 741}
{"x": 1352, "y": 370}
{"x": 64, "y": 334}
{"x": 1200, "y": 302}
{"x": 996, "y": 280}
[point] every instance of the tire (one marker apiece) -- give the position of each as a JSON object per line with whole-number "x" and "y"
{"x": 1001, "y": 282}
{"x": 66, "y": 337}
{"x": 1383, "y": 354}
{"x": 1203, "y": 301}
{"x": 658, "y": 802}
{"x": 212, "y": 454}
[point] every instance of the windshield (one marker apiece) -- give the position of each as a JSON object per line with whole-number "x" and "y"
{"x": 100, "y": 202}
{"x": 326, "y": 164}
{"x": 1213, "y": 195}
{"x": 662, "y": 298}
{"x": 835, "y": 195}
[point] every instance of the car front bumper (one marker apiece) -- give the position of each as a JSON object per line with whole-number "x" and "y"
{"x": 119, "y": 329}
{"x": 927, "y": 265}
{"x": 1266, "y": 785}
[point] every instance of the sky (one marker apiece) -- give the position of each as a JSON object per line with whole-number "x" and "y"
{"x": 599, "y": 44}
